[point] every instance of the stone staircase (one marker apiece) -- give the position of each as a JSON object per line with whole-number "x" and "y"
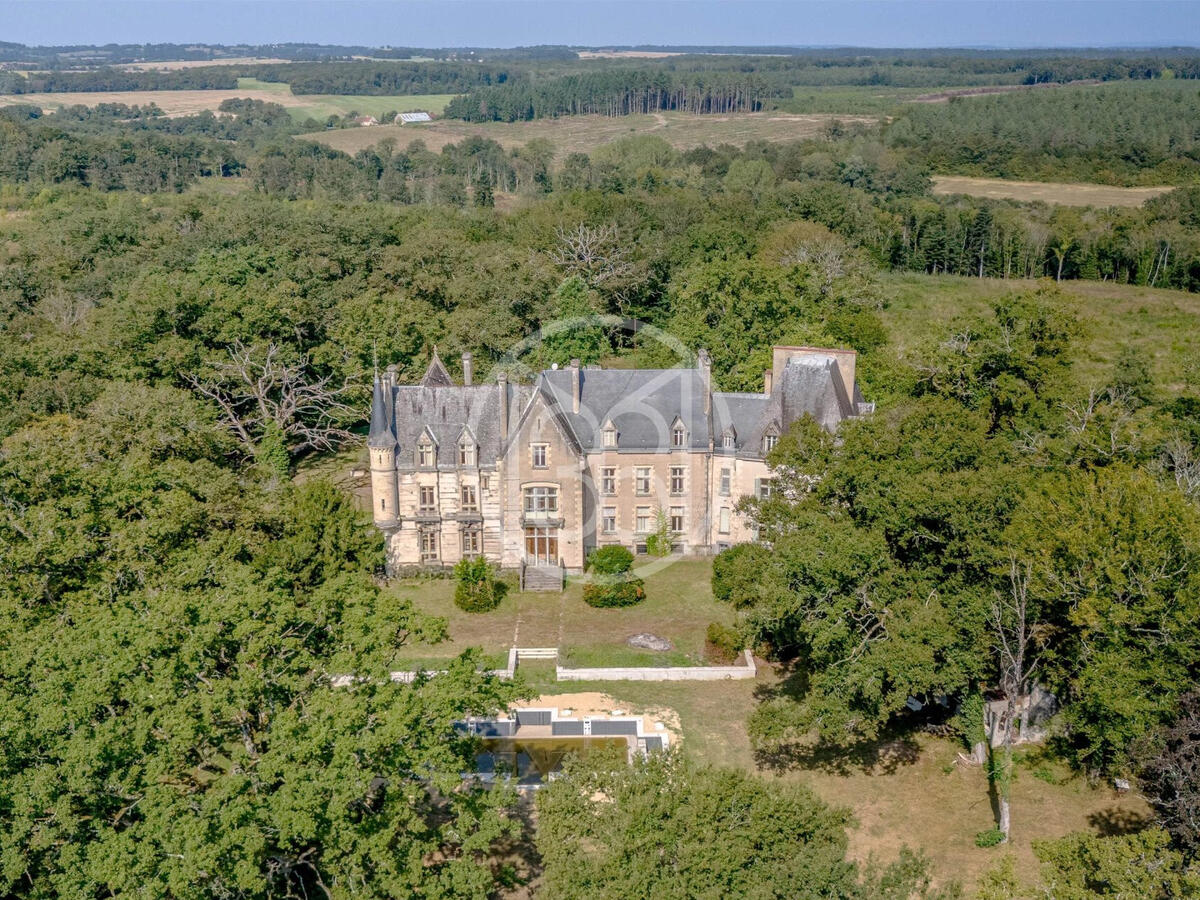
{"x": 542, "y": 578}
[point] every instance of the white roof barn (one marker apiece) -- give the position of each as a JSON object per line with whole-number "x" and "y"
{"x": 408, "y": 118}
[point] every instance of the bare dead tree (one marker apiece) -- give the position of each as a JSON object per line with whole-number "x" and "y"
{"x": 64, "y": 311}
{"x": 1181, "y": 462}
{"x": 826, "y": 255}
{"x": 594, "y": 253}
{"x": 1015, "y": 638}
{"x": 256, "y": 388}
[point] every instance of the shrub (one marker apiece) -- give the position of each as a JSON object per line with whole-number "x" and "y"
{"x": 610, "y": 591}
{"x": 737, "y": 572}
{"x": 989, "y": 838}
{"x": 610, "y": 561}
{"x": 477, "y": 589}
{"x": 726, "y": 642}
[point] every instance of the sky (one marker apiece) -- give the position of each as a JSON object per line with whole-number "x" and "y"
{"x": 508, "y": 23}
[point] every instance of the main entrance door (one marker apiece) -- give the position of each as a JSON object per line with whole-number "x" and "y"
{"x": 541, "y": 545}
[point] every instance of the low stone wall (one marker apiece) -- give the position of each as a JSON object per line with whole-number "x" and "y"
{"x": 614, "y": 673}
{"x": 661, "y": 673}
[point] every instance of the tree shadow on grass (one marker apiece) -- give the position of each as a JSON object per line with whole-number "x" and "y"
{"x": 1114, "y": 822}
{"x": 884, "y": 755}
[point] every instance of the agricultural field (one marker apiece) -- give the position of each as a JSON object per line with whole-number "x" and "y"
{"x": 1056, "y": 193}
{"x": 186, "y": 103}
{"x": 581, "y": 134}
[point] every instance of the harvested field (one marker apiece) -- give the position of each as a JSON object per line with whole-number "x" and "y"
{"x": 584, "y": 133}
{"x": 186, "y": 103}
{"x": 1059, "y": 193}
{"x": 174, "y": 65}
{"x": 628, "y": 54}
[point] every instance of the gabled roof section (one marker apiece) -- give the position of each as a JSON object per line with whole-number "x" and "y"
{"x": 436, "y": 375}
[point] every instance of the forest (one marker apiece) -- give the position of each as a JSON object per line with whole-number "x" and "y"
{"x": 178, "y": 598}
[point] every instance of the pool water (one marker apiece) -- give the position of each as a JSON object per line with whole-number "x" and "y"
{"x": 534, "y": 760}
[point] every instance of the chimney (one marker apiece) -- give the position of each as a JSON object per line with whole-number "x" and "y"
{"x": 502, "y": 381}
{"x": 390, "y": 375}
{"x": 576, "y": 386}
{"x": 705, "y": 365}
{"x": 768, "y": 381}
{"x": 468, "y": 368}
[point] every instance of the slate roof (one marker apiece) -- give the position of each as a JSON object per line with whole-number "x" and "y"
{"x": 642, "y": 404}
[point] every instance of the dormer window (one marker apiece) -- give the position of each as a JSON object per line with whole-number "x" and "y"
{"x": 466, "y": 453}
{"x": 678, "y": 435}
{"x": 609, "y": 435}
{"x": 728, "y": 440}
{"x": 425, "y": 454}
{"x": 769, "y": 442}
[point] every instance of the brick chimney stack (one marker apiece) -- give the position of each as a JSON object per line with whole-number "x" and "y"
{"x": 502, "y": 382}
{"x": 576, "y": 386}
{"x": 704, "y": 363}
{"x": 468, "y": 368}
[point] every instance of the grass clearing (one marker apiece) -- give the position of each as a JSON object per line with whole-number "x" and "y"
{"x": 1163, "y": 325}
{"x": 903, "y": 791}
{"x": 582, "y": 134}
{"x": 1052, "y": 192}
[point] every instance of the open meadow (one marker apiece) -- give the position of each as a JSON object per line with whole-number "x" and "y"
{"x": 1056, "y": 193}
{"x": 582, "y": 134}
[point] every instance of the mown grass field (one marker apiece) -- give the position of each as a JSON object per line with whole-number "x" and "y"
{"x": 1057, "y": 193}
{"x": 583, "y": 134}
{"x": 679, "y": 607}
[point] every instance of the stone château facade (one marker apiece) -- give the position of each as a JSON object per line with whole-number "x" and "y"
{"x": 540, "y": 474}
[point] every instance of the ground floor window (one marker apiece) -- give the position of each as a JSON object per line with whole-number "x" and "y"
{"x": 429, "y": 545}
{"x": 677, "y": 519}
{"x": 723, "y": 521}
{"x": 471, "y": 541}
{"x": 609, "y": 524}
{"x": 643, "y": 519}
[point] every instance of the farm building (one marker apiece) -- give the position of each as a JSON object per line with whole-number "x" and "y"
{"x": 365, "y": 120}
{"x": 409, "y": 118}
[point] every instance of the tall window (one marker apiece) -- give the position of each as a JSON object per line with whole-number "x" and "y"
{"x": 765, "y": 488}
{"x": 643, "y": 520}
{"x": 642, "y": 485}
{"x": 609, "y": 523}
{"x": 723, "y": 520}
{"x": 769, "y": 442}
{"x": 610, "y": 437}
{"x": 677, "y": 480}
{"x": 725, "y": 482}
{"x": 471, "y": 541}
{"x": 539, "y": 453}
{"x": 541, "y": 500}
{"x": 425, "y": 454}
{"x": 678, "y": 435}
{"x": 485, "y": 482}
{"x": 470, "y": 501}
{"x": 608, "y": 481}
{"x": 429, "y": 545}
{"x": 428, "y": 499}
{"x": 727, "y": 440}
{"x": 677, "y": 519}
{"x": 466, "y": 453}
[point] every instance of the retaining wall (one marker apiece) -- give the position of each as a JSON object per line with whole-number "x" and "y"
{"x": 662, "y": 673}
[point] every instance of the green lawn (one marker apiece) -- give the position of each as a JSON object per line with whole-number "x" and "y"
{"x": 679, "y": 606}
{"x": 321, "y": 106}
